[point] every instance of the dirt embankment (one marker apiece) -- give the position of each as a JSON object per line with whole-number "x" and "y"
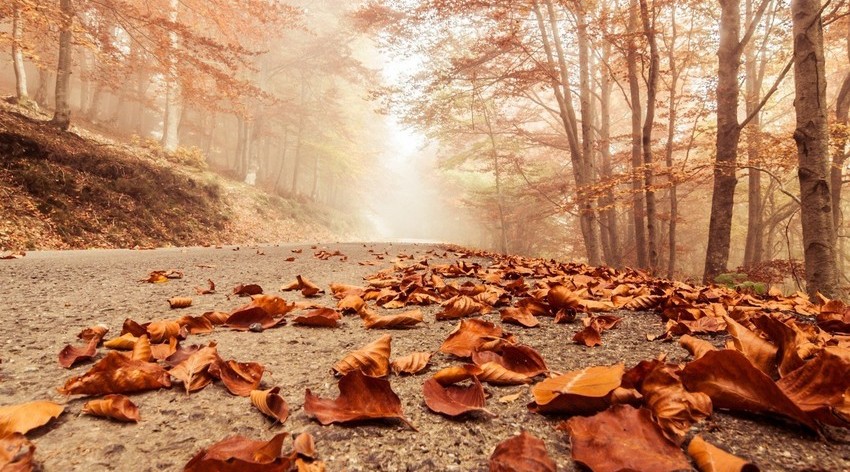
{"x": 61, "y": 190}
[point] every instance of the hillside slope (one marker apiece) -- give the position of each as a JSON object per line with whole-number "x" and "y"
{"x": 74, "y": 189}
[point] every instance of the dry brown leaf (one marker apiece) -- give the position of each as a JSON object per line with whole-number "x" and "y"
{"x": 496, "y": 374}
{"x": 407, "y": 319}
{"x": 247, "y": 290}
{"x": 273, "y": 305}
{"x": 461, "y": 306}
{"x": 70, "y": 355}
{"x": 350, "y": 303}
{"x": 125, "y": 342}
{"x": 196, "y": 324}
{"x": 179, "y": 302}
{"x": 216, "y": 318}
{"x": 674, "y": 408}
{"x": 270, "y": 404}
{"x": 578, "y": 392}
{"x": 456, "y": 373}
{"x": 697, "y": 347}
{"x": 117, "y": 373}
{"x": 710, "y": 458}
{"x": 24, "y": 417}
{"x": 759, "y": 351}
{"x": 372, "y": 359}
{"x": 206, "y": 291}
{"x": 161, "y": 330}
{"x": 411, "y": 363}
{"x": 240, "y": 378}
{"x": 321, "y": 317}
{"x": 246, "y": 317}
{"x": 304, "y": 446}
{"x": 623, "y": 438}
{"x": 471, "y": 335}
{"x": 161, "y": 351}
{"x": 518, "y": 316}
{"x": 454, "y": 400}
{"x": 237, "y": 453}
{"x": 821, "y": 386}
{"x": 142, "y": 349}
{"x": 16, "y": 453}
{"x": 523, "y": 452}
{"x": 117, "y": 407}
{"x": 589, "y": 336}
{"x": 194, "y": 370}
{"x": 361, "y": 397}
{"x": 733, "y": 383}
{"x": 516, "y": 357}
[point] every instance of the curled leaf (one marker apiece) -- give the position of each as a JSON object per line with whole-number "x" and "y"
{"x": 515, "y": 357}
{"x": 304, "y": 446}
{"x": 710, "y": 458}
{"x": 496, "y": 374}
{"x": 519, "y": 316}
{"x": 697, "y": 347}
{"x": 472, "y": 335}
{"x": 117, "y": 373}
{"x": 194, "y": 370}
{"x": 407, "y": 319}
{"x": 322, "y": 317}
{"x": 373, "y": 359}
{"x": 240, "y": 378}
{"x": 179, "y": 302}
{"x": 411, "y": 363}
{"x": 459, "y": 307}
{"x": 247, "y": 290}
{"x": 117, "y": 407}
{"x": 458, "y": 373}
{"x": 578, "y": 392}
{"x": 270, "y": 404}
{"x": 125, "y": 342}
{"x": 240, "y": 453}
{"x": 16, "y": 453}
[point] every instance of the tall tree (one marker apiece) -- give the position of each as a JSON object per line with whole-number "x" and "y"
{"x": 18, "y": 52}
{"x": 62, "y": 114}
{"x": 649, "y": 122}
{"x": 812, "y": 138}
{"x": 638, "y": 201}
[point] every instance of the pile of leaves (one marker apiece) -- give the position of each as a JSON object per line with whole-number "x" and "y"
{"x": 785, "y": 357}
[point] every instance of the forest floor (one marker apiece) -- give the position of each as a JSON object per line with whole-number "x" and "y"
{"x": 48, "y": 297}
{"x": 79, "y": 189}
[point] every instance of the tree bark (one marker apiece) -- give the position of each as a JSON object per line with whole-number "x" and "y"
{"x": 728, "y": 133}
{"x": 18, "y": 53}
{"x": 842, "y": 109}
{"x": 62, "y": 114}
{"x": 638, "y": 209}
{"x": 609, "y": 211}
{"x": 171, "y": 118}
{"x": 668, "y": 150}
{"x": 812, "y": 138}
{"x": 651, "y": 88}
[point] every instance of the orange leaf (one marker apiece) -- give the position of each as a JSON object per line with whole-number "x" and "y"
{"x": 589, "y": 336}
{"x": 238, "y": 453}
{"x": 402, "y": 320}
{"x": 125, "y": 342}
{"x": 240, "y": 378}
{"x": 710, "y": 458}
{"x": 518, "y": 316}
{"x": 322, "y": 317}
{"x": 697, "y": 347}
{"x": 578, "y": 392}
{"x": 247, "y": 290}
{"x": 163, "y": 330}
{"x": 206, "y": 291}
{"x": 142, "y": 349}
{"x": 820, "y": 387}
{"x": 244, "y": 318}
{"x": 623, "y": 438}
{"x": 759, "y": 351}
{"x": 496, "y": 374}
{"x": 674, "y": 408}
{"x": 16, "y": 453}
{"x": 471, "y": 335}
{"x": 180, "y": 302}
{"x": 460, "y": 307}
{"x": 373, "y": 359}
{"x": 304, "y": 446}
{"x": 360, "y": 398}
{"x": 411, "y": 363}
{"x": 114, "y": 406}
{"x": 272, "y": 304}
{"x": 270, "y": 403}
{"x": 522, "y": 452}
{"x": 194, "y": 370}
{"x": 196, "y": 324}
{"x": 457, "y": 373}
{"x": 117, "y": 373}
{"x": 454, "y": 400}
{"x": 351, "y": 304}
{"x": 518, "y": 358}
{"x": 70, "y": 355}
{"x": 24, "y": 417}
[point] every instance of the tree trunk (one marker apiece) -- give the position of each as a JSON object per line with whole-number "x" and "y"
{"x": 171, "y": 118}
{"x": 668, "y": 151}
{"x": 588, "y": 214}
{"x": 609, "y": 210}
{"x": 651, "y": 88}
{"x": 280, "y": 169}
{"x": 812, "y": 138}
{"x": 728, "y": 133}
{"x": 42, "y": 92}
{"x": 497, "y": 171}
{"x": 754, "y": 250}
{"x": 62, "y": 114}
{"x": 638, "y": 210}
{"x": 842, "y": 109}
{"x": 18, "y": 54}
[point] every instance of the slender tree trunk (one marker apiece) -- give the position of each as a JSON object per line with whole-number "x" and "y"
{"x": 171, "y": 118}
{"x": 671, "y": 135}
{"x": 503, "y": 234}
{"x": 280, "y": 169}
{"x": 753, "y": 252}
{"x": 299, "y": 139}
{"x": 62, "y": 115}
{"x": 728, "y": 133}
{"x": 42, "y": 92}
{"x": 651, "y": 92}
{"x": 812, "y": 137}
{"x": 18, "y": 54}
{"x": 842, "y": 109}
{"x": 638, "y": 209}
{"x": 609, "y": 210}
{"x": 588, "y": 215}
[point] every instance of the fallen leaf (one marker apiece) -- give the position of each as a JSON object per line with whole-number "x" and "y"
{"x": 411, "y": 363}
{"x": 270, "y": 404}
{"x": 162, "y": 330}
{"x": 459, "y": 307}
{"x": 471, "y": 335}
{"x": 457, "y": 373}
{"x": 304, "y": 446}
{"x": 125, "y": 342}
{"x": 70, "y": 355}
{"x": 16, "y": 453}
{"x": 710, "y": 458}
{"x": 518, "y": 316}
{"x": 142, "y": 350}
{"x": 93, "y": 332}
{"x": 407, "y": 319}
{"x": 589, "y": 336}
{"x": 272, "y": 304}
{"x": 206, "y": 291}
{"x": 216, "y": 317}
{"x": 322, "y": 317}
{"x": 161, "y": 351}
{"x": 117, "y": 407}
{"x": 523, "y": 452}
{"x": 582, "y": 391}
{"x": 623, "y": 438}
{"x": 243, "y": 318}
{"x": 697, "y": 347}
{"x": 759, "y": 351}
{"x": 117, "y": 373}
{"x": 196, "y": 324}
{"x": 194, "y": 370}
{"x": 240, "y": 378}
{"x": 820, "y": 387}
{"x": 515, "y": 357}
{"x": 373, "y": 359}
{"x": 733, "y": 383}
{"x": 179, "y": 302}
{"x": 24, "y": 417}
{"x": 361, "y": 397}
{"x": 510, "y": 398}
{"x": 350, "y": 303}
{"x": 238, "y": 453}
{"x": 454, "y": 400}
{"x": 674, "y": 408}
{"x": 247, "y": 290}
